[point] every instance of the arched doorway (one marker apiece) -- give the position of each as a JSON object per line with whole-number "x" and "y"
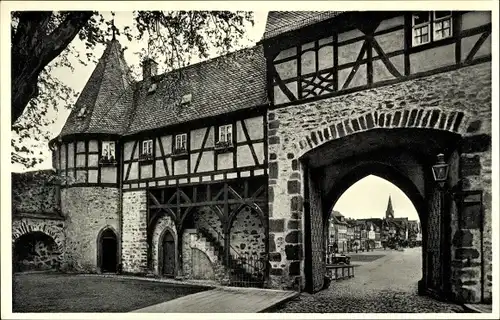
{"x": 167, "y": 254}
{"x": 35, "y": 251}
{"x": 108, "y": 251}
{"x": 402, "y": 157}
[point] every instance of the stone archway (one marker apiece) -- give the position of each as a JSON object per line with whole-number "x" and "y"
{"x": 402, "y": 158}
{"x": 408, "y": 186}
{"x": 299, "y": 168}
{"x": 35, "y": 250}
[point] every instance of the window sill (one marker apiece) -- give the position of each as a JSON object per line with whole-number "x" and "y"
{"x": 431, "y": 44}
{"x": 223, "y": 147}
{"x": 179, "y": 154}
{"x": 145, "y": 159}
{"x": 107, "y": 163}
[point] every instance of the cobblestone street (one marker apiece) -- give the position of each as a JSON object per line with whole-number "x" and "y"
{"x": 384, "y": 285}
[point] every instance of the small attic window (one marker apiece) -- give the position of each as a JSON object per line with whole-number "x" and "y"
{"x": 152, "y": 88}
{"x": 81, "y": 113}
{"x": 186, "y": 99}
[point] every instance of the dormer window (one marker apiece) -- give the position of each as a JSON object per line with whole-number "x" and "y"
{"x": 152, "y": 88}
{"x": 81, "y": 113}
{"x": 180, "y": 143}
{"x": 108, "y": 152}
{"x": 146, "y": 150}
{"x": 431, "y": 26}
{"x": 186, "y": 99}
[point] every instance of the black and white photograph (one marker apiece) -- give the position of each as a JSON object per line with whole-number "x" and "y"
{"x": 305, "y": 159}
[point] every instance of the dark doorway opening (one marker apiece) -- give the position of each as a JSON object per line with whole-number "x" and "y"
{"x": 168, "y": 248}
{"x": 109, "y": 251}
{"x": 35, "y": 251}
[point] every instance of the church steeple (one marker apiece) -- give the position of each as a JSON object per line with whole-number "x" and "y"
{"x": 389, "y": 213}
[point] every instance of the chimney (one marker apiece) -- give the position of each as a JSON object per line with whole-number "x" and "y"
{"x": 149, "y": 68}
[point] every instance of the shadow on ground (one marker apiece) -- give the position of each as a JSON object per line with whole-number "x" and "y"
{"x": 53, "y": 292}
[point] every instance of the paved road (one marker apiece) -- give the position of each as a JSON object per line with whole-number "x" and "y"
{"x": 387, "y": 285}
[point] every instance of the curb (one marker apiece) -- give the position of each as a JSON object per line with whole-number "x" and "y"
{"x": 279, "y": 303}
{"x": 471, "y": 308}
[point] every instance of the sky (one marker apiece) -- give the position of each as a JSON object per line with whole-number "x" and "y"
{"x": 348, "y": 204}
{"x": 77, "y": 78}
{"x": 374, "y": 192}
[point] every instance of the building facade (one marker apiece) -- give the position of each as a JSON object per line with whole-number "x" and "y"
{"x": 241, "y": 157}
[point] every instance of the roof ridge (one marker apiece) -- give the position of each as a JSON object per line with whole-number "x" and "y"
{"x": 208, "y": 61}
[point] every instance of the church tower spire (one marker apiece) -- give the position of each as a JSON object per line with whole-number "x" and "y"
{"x": 389, "y": 213}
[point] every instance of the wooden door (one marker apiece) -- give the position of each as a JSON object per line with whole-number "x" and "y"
{"x": 168, "y": 255}
{"x": 435, "y": 242}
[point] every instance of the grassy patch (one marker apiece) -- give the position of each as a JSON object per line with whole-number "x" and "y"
{"x": 72, "y": 293}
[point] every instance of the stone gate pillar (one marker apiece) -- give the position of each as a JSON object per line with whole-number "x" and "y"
{"x": 472, "y": 247}
{"x": 134, "y": 234}
{"x": 285, "y": 210}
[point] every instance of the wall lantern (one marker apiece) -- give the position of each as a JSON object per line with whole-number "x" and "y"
{"x": 440, "y": 170}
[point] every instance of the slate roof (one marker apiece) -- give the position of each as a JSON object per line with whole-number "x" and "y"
{"x": 218, "y": 86}
{"x": 279, "y": 22}
{"x": 107, "y": 97}
{"x": 115, "y": 104}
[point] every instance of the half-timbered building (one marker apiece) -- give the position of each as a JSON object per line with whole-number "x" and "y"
{"x": 228, "y": 169}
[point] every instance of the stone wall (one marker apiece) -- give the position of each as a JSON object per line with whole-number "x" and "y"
{"x": 164, "y": 224}
{"x": 475, "y": 171}
{"x": 192, "y": 262}
{"x": 206, "y": 218}
{"x": 44, "y": 239}
{"x": 247, "y": 233}
{"x": 134, "y": 235}
{"x": 458, "y": 101}
{"x": 35, "y": 192}
{"x": 87, "y": 210}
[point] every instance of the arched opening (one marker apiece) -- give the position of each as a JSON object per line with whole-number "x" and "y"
{"x": 107, "y": 259}
{"x": 403, "y": 157}
{"x": 35, "y": 251}
{"x": 376, "y": 225}
{"x": 166, "y": 254}
{"x": 248, "y": 246}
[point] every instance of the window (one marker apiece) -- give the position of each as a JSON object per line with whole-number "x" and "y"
{"x": 442, "y": 24}
{"x": 421, "y": 26}
{"x": 81, "y": 112}
{"x": 423, "y": 22}
{"x": 226, "y": 134}
{"x": 147, "y": 148}
{"x": 108, "y": 152}
{"x": 181, "y": 142}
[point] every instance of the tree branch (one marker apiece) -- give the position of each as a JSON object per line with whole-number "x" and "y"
{"x": 32, "y": 50}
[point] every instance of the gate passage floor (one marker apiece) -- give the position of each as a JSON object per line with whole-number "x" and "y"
{"x": 384, "y": 282}
{"x": 47, "y": 292}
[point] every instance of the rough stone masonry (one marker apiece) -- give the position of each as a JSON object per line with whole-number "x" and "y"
{"x": 457, "y": 101}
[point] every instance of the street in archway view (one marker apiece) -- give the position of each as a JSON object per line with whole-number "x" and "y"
{"x": 385, "y": 282}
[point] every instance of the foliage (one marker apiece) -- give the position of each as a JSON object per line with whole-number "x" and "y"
{"x": 44, "y": 42}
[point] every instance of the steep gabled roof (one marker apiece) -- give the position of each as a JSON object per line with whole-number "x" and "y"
{"x": 224, "y": 84}
{"x": 279, "y": 22}
{"x": 106, "y": 99}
